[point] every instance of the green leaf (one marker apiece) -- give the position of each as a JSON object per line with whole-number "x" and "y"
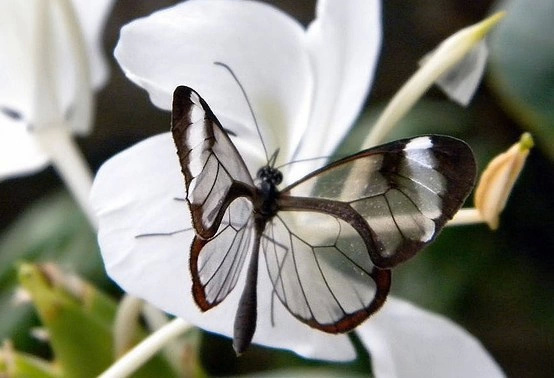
{"x": 82, "y": 345}
{"x": 20, "y": 365}
{"x": 79, "y": 321}
{"x": 52, "y": 229}
{"x": 522, "y": 66}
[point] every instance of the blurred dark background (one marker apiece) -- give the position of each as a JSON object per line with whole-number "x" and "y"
{"x": 498, "y": 285}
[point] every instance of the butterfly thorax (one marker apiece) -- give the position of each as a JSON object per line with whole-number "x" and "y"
{"x": 269, "y": 178}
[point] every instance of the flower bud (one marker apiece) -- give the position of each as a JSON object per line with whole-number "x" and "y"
{"x": 498, "y": 179}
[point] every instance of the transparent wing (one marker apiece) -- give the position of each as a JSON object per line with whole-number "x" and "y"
{"x": 215, "y": 174}
{"x": 405, "y": 191}
{"x": 321, "y": 270}
{"x": 216, "y": 263}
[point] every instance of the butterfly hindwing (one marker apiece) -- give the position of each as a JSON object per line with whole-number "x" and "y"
{"x": 405, "y": 190}
{"x": 321, "y": 270}
{"x": 215, "y": 174}
{"x": 217, "y": 262}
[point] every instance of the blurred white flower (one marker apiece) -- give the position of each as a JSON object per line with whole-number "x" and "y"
{"x": 51, "y": 62}
{"x": 306, "y": 87}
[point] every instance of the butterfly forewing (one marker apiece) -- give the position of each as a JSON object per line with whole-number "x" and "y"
{"x": 324, "y": 278}
{"x": 405, "y": 190}
{"x": 213, "y": 169}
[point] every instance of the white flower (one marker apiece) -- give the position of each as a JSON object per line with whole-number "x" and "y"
{"x": 51, "y": 60}
{"x": 306, "y": 88}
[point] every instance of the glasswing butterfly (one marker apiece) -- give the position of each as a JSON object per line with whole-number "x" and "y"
{"x": 329, "y": 239}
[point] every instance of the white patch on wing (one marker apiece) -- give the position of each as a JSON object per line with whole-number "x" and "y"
{"x": 419, "y": 166}
{"x": 419, "y": 150}
{"x": 198, "y": 157}
{"x": 419, "y": 143}
{"x": 196, "y": 112}
{"x": 196, "y": 134}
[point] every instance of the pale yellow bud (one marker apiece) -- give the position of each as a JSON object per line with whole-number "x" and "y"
{"x": 498, "y": 179}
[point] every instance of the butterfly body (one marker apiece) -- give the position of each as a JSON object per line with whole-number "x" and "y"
{"x": 264, "y": 210}
{"x": 329, "y": 239}
{"x": 267, "y": 191}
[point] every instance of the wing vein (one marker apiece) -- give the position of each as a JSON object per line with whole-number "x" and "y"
{"x": 393, "y": 217}
{"x": 326, "y": 282}
{"x": 352, "y": 261}
{"x": 225, "y": 258}
{"x": 412, "y": 179}
{"x": 416, "y": 206}
{"x": 214, "y": 182}
{"x": 291, "y": 234}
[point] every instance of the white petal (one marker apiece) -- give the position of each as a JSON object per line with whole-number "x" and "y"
{"x": 92, "y": 16}
{"x": 84, "y": 22}
{"x": 461, "y": 82}
{"x": 19, "y": 153}
{"x": 134, "y": 194}
{"x": 344, "y": 43}
{"x": 264, "y": 47}
{"x": 44, "y": 61}
{"x": 18, "y": 22}
{"x": 406, "y": 341}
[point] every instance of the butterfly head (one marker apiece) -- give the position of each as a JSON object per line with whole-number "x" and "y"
{"x": 270, "y": 175}
{"x": 269, "y": 178}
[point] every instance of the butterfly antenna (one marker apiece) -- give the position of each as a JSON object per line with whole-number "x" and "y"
{"x": 271, "y": 161}
{"x": 304, "y": 160}
{"x": 249, "y": 105}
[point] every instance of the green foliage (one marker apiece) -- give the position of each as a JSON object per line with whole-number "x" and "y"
{"x": 52, "y": 229}
{"x": 522, "y": 66}
{"x": 20, "y": 365}
{"x": 79, "y": 320}
{"x": 81, "y": 340}
{"x": 80, "y": 329}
